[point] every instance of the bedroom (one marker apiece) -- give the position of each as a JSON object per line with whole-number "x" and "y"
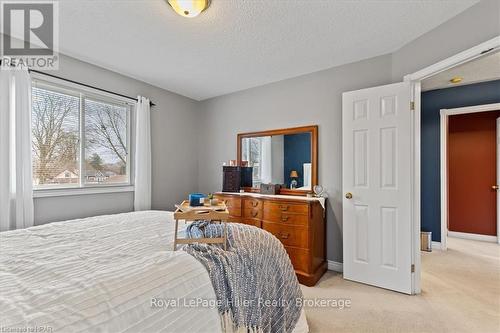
{"x": 238, "y": 68}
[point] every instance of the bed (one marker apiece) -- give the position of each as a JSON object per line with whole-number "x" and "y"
{"x": 113, "y": 273}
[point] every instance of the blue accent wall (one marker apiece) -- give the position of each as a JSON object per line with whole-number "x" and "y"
{"x": 297, "y": 151}
{"x": 432, "y": 102}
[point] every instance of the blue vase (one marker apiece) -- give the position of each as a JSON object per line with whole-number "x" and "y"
{"x": 195, "y": 199}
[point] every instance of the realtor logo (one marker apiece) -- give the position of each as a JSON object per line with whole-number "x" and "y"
{"x": 29, "y": 33}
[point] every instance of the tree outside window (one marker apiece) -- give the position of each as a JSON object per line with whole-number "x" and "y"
{"x": 57, "y": 135}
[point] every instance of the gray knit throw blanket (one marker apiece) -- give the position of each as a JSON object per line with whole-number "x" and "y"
{"x": 254, "y": 280}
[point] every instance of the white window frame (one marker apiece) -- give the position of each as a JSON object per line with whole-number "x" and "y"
{"x": 93, "y": 94}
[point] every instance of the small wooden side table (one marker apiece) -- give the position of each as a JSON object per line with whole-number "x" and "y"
{"x": 218, "y": 213}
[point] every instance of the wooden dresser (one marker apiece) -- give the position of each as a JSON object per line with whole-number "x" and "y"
{"x": 298, "y": 222}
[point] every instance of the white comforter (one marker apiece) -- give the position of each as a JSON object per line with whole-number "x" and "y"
{"x": 103, "y": 274}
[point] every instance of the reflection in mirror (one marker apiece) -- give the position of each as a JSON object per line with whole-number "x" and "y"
{"x": 279, "y": 159}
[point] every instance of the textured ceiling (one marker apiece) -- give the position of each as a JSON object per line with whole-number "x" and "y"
{"x": 486, "y": 68}
{"x": 239, "y": 44}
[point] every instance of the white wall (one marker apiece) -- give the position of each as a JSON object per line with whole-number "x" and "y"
{"x": 306, "y": 100}
{"x": 175, "y": 170}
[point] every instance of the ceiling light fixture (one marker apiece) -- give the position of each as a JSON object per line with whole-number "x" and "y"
{"x": 189, "y": 8}
{"x": 456, "y": 79}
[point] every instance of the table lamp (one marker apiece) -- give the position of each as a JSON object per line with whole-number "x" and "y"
{"x": 293, "y": 175}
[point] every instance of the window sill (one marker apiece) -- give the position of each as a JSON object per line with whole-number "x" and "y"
{"x": 61, "y": 192}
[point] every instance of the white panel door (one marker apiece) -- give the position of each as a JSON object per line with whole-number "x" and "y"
{"x": 377, "y": 160}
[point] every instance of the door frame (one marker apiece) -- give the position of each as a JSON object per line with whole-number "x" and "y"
{"x": 415, "y": 80}
{"x": 444, "y": 114}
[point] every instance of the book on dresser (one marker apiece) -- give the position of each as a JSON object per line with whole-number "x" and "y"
{"x": 298, "y": 222}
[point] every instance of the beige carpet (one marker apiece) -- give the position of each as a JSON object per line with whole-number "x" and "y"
{"x": 460, "y": 293}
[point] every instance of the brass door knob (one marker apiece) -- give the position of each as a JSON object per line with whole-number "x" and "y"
{"x": 348, "y": 195}
{"x": 495, "y": 187}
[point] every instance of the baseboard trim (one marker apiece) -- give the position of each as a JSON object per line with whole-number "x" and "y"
{"x": 335, "y": 266}
{"x": 436, "y": 246}
{"x": 478, "y": 237}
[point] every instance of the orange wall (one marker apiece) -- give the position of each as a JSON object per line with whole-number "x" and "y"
{"x": 472, "y": 172}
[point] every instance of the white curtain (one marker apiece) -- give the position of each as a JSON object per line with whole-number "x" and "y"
{"x": 307, "y": 176}
{"x": 16, "y": 187}
{"x": 266, "y": 160}
{"x": 142, "y": 166}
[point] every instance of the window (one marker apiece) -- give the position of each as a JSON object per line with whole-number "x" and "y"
{"x": 252, "y": 152}
{"x": 79, "y": 139}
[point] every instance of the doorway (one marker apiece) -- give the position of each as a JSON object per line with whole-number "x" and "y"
{"x": 417, "y": 79}
{"x": 469, "y": 177}
{"x": 382, "y": 183}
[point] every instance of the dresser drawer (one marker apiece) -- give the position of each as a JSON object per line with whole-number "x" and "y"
{"x": 299, "y": 258}
{"x": 289, "y": 235}
{"x": 277, "y": 216}
{"x": 230, "y": 201}
{"x": 252, "y": 203}
{"x": 233, "y": 204}
{"x": 253, "y": 213}
{"x": 234, "y": 211}
{"x": 253, "y": 222}
{"x": 294, "y": 208}
{"x": 233, "y": 218}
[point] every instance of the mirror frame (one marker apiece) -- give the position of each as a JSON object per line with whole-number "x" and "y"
{"x": 313, "y": 129}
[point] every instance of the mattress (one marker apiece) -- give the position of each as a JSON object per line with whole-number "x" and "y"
{"x": 114, "y": 273}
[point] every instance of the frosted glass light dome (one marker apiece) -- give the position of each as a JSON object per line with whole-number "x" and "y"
{"x": 189, "y": 8}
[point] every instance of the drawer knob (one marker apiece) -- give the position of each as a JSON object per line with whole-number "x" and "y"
{"x": 284, "y": 208}
{"x": 254, "y": 203}
{"x": 284, "y": 235}
{"x": 284, "y": 218}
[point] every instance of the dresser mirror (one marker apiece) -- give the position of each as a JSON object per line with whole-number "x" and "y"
{"x": 285, "y": 156}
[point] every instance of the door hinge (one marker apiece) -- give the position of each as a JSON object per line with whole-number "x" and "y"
{"x": 412, "y": 106}
{"x": 413, "y": 268}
